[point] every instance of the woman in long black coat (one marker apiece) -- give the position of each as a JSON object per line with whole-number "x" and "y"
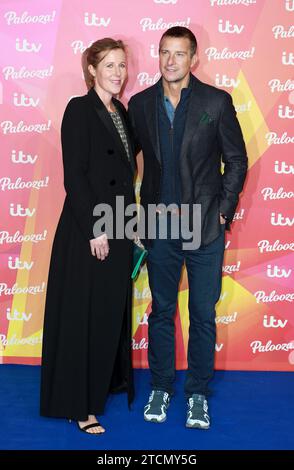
{"x": 87, "y": 326}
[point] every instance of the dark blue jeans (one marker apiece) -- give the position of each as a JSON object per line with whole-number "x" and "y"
{"x": 204, "y": 268}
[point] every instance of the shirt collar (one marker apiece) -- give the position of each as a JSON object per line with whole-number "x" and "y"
{"x": 185, "y": 92}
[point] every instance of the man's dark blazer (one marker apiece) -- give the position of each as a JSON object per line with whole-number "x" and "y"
{"x": 212, "y": 134}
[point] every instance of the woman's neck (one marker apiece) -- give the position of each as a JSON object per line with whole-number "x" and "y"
{"x": 106, "y": 99}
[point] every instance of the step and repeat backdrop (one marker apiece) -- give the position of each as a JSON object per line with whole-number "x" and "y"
{"x": 245, "y": 48}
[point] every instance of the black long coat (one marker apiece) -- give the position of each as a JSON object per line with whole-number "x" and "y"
{"x": 87, "y": 325}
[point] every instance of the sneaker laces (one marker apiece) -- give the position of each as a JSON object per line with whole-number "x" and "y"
{"x": 158, "y": 394}
{"x": 201, "y": 404}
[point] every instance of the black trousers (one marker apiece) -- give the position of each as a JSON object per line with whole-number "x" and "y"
{"x": 204, "y": 268}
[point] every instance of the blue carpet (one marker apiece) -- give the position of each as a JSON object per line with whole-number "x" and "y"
{"x": 249, "y": 410}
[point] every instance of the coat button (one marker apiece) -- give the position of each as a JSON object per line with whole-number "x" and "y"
{"x": 124, "y": 183}
{"x": 110, "y": 151}
{"x": 112, "y": 182}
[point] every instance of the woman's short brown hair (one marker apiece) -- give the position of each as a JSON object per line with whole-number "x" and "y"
{"x": 94, "y": 54}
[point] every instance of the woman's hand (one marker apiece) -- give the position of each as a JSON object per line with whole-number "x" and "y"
{"x": 222, "y": 219}
{"x": 100, "y": 247}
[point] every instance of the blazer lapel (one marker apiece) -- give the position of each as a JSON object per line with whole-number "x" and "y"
{"x": 106, "y": 120}
{"x": 195, "y": 112}
{"x": 151, "y": 115}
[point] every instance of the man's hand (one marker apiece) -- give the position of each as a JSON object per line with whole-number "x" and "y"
{"x": 100, "y": 247}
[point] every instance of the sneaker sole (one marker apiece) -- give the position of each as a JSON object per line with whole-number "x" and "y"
{"x": 154, "y": 420}
{"x": 197, "y": 426}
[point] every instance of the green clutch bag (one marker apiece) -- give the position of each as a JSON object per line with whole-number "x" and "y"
{"x": 139, "y": 256}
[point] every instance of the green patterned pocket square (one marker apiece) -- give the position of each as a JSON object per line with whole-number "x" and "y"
{"x": 206, "y": 119}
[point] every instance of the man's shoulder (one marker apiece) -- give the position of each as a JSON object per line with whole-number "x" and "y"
{"x": 210, "y": 91}
{"x": 141, "y": 96}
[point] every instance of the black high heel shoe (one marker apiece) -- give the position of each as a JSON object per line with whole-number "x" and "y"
{"x": 89, "y": 426}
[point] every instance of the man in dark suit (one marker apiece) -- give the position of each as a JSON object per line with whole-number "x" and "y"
{"x": 185, "y": 128}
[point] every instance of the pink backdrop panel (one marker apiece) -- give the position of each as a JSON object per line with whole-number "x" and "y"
{"x": 244, "y": 47}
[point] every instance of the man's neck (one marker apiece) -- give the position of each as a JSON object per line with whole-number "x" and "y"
{"x": 172, "y": 90}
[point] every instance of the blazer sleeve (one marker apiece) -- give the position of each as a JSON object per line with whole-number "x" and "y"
{"x": 75, "y": 141}
{"x": 233, "y": 156}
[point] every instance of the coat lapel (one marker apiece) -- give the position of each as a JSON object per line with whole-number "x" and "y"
{"x": 130, "y": 143}
{"x": 106, "y": 120}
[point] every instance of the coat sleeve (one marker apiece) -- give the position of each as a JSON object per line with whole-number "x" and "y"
{"x": 233, "y": 156}
{"x": 75, "y": 141}
{"x": 132, "y": 121}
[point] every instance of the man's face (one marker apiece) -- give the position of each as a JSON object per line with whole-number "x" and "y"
{"x": 175, "y": 59}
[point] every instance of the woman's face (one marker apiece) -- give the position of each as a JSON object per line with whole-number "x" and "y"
{"x": 111, "y": 72}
